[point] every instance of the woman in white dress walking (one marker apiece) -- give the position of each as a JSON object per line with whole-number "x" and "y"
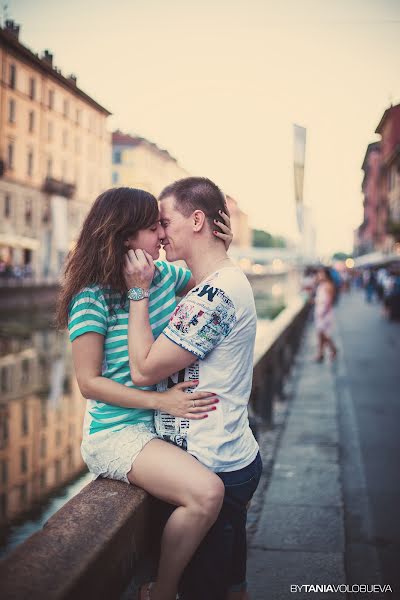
{"x": 323, "y": 313}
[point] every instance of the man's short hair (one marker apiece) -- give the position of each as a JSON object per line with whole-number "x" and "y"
{"x": 197, "y": 193}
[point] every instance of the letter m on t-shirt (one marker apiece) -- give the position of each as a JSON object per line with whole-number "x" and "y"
{"x": 210, "y": 291}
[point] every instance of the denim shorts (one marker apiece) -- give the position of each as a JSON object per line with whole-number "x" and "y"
{"x": 239, "y": 489}
{"x": 219, "y": 564}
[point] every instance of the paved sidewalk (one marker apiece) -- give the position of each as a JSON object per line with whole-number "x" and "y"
{"x": 299, "y": 536}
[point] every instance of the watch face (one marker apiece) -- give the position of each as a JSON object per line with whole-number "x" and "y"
{"x": 137, "y": 294}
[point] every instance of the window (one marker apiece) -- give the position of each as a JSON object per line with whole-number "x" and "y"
{"x": 3, "y": 506}
{"x": 32, "y": 88}
{"x": 64, "y": 170}
{"x": 46, "y": 212}
{"x": 4, "y": 429}
{"x": 65, "y": 108}
{"x": 43, "y": 447}
{"x": 43, "y": 413}
{"x": 78, "y": 115}
{"x": 12, "y": 81}
{"x": 117, "y": 157}
{"x": 29, "y": 166}
{"x": 43, "y": 479}
{"x": 4, "y": 472}
{"x": 58, "y": 470}
{"x": 7, "y": 206}
{"x": 23, "y": 494}
{"x": 65, "y": 138}
{"x": 50, "y": 131}
{"x": 70, "y": 458}
{"x": 25, "y": 420}
{"x": 11, "y": 111}
{"x": 115, "y": 177}
{"x": 58, "y": 437}
{"x": 10, "y": 155}
{"x": 51, "y": 99}
{"x": 31, "y": 121}
{"x": 49, "y": 167}
{"x": 28, "y": 211}
{"x": 77, "y": 145}
{"x": 24, "y": 460}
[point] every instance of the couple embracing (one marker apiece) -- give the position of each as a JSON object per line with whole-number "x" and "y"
{"x": 168, "y": 380}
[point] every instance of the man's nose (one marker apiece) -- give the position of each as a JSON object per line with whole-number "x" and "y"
{"x": 161, "y": 232}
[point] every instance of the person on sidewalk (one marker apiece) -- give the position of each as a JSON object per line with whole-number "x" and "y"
{"x": 210, "y": 338}
{"x": 323, "y": 313}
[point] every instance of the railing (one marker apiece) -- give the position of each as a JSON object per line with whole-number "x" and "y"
{"x": 95, "y": 544}
{"x": 27, "y": 294}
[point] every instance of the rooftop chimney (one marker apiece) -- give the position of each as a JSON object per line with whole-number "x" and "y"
{"x": 12, "y": 28}
{"x": 48, "y": 57}
{"x": 72, "y": 78}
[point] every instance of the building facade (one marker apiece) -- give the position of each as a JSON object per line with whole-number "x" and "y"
{"x": 137, "y": 162}
{"x": 371, "y": 232}
{"x": 380, "y": 229}
{"x": 389, "y": 130}
{"x": 41, "y": 417}
{"x": 54, "y": 157}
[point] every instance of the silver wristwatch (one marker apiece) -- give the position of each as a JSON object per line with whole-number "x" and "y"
{"x": 137, "y": 293}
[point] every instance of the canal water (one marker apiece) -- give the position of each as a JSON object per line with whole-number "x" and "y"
{"x": 41, "y": 414}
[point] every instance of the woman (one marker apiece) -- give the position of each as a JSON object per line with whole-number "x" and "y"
{"x": 323, "y": 313}
{"x": 119, "y": 422}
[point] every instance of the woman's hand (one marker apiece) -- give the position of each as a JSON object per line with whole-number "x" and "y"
{"x": 179, "y": 403}
{"x": 138, "y": 269}
{"x": 226, "y": 232}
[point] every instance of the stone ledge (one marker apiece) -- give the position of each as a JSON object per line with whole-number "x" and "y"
{"x": 87, "y": 549}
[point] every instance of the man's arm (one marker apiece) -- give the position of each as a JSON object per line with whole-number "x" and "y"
{"x": 151, "y": 361}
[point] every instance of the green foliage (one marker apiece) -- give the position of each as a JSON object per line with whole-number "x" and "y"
{"x": 263, "y": 239}
{"x": 341, "y": 256}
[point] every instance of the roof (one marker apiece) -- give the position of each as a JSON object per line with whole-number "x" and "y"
{"x": 124, "y": 139}
{"x": 373, "y": 147}
{"x": 119, "y": 138}
{"x": 11, "y": 42}
{"x": 388, "y": 112}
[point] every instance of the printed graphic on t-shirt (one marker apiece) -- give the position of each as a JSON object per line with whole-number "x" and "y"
{"x": 169, "y": 428}
{"x": 202, "y": 320}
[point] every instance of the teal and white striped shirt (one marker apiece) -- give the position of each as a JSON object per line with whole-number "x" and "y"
{"x": 90, "y": 311}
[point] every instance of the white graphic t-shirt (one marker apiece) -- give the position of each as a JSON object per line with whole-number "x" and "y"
{"x": 216, "y": 321}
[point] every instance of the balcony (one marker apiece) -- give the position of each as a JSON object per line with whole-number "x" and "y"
{"x": 58, "y": 188}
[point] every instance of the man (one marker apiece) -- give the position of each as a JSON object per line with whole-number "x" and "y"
{"x": 210, "y": 338}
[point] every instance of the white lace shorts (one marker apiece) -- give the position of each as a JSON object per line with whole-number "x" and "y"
{"x": 111, "y": 453}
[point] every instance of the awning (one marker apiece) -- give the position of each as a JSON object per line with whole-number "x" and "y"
{"x": 374, "y": 259}
{"x": 18, "y": 241}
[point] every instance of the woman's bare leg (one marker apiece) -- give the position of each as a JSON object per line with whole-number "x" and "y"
{"x": 173, "y": 475}
{"x": 330, "y": 343}
{"x": 320, "y": 354}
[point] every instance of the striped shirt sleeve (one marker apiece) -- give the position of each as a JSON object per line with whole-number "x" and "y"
{"x": 87, "y": 313}
{"x": 181, "y": 277}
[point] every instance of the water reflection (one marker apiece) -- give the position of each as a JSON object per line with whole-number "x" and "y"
{"x": 41, "y": 414}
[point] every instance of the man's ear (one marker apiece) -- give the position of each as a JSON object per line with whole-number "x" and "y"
{"x": 199, "y": 219}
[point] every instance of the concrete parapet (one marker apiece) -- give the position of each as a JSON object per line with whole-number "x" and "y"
{"x": 92, "y": 546}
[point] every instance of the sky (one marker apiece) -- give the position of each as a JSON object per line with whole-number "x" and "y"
{"x": 220, "y": 84}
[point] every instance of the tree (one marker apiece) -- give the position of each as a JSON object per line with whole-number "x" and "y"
{"x": 263, "y": 239}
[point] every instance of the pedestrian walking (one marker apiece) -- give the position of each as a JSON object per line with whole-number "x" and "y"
{"x": 323, "y": 313}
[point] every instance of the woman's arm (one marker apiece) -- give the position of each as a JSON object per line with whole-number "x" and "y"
{"x": 87, "y": 354}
